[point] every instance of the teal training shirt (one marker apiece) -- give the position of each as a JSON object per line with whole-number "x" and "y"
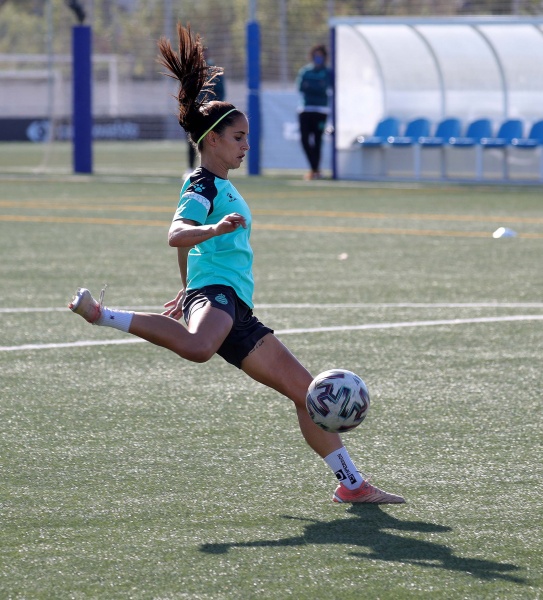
{"x": 225, "y": 259}
{"x": 314, "y": 84}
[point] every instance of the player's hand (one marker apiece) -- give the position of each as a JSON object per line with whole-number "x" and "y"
{"x": 174, "y": 307}
{"x": 230, "y": 223}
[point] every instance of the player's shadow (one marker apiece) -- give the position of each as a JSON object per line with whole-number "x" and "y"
{"x": 373, "y": 529}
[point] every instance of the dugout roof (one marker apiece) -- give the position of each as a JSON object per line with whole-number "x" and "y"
{"x": 465, "y": 67}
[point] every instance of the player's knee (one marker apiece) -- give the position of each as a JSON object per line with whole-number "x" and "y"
{"x": 299, "y": 400}
{"x": 200, "y": 353}
{"x": 201, "y": 357}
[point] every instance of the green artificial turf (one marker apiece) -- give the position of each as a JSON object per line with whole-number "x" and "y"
{"x": 128, "y": 473}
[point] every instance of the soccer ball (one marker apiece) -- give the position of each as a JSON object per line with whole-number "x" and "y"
{"x": 337, "y": 400}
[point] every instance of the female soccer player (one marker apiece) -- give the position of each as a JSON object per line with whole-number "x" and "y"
{"x": 210, "y": 230}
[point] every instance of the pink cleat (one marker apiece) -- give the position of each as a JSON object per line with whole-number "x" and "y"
{"x": 365, "y": 493}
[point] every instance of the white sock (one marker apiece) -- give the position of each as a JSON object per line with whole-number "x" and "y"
{"x": 118, "y": 319}
{"x": 343, "y": 467}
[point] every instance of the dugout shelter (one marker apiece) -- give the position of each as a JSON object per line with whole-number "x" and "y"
{"x": 457, "y": 98}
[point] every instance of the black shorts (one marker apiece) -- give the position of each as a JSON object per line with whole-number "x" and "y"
{"x": 246, "y": 331}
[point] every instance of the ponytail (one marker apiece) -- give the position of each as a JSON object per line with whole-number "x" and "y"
{"x": 196, "y": 113}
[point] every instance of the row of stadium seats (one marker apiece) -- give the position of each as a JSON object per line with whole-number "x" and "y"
{"x": 448, "y": 133}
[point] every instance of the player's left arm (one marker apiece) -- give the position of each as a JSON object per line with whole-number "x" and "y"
{"x": 182, "y": 259}
{"x": 174, "y": 308}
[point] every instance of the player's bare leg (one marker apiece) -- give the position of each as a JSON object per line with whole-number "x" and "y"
{"x": 272, "y": 364}
{"x": 206, "y": 331}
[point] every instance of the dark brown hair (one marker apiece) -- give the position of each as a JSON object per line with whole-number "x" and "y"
{"x": 196, "y": 112}
{"x": 318, "y": 48}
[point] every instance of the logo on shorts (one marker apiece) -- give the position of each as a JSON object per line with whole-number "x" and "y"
{"x": 221, "y": 299}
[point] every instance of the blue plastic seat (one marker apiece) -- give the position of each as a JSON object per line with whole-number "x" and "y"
{"x": 386, "y": 128}
{"x": 414, "y": 131}
{"x": 477, "y": 130}
{"x": 446, "y": 129}
{"x": 509, "y": 130}
{"x": 534, "y": 139}
{"x": 481, "y": 128}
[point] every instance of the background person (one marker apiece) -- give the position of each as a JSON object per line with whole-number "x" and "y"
{"x": 314, "y": 82}
{"x": 210, "y": 230}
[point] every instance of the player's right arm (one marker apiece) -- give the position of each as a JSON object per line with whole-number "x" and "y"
{"x": 185, "y": 233}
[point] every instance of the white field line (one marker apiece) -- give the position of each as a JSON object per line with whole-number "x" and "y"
{"x": 442, "y": 322}
{"x": 318, "y": 306}
{"x": 412, "y": 324}
{"x": 81, "y": 344}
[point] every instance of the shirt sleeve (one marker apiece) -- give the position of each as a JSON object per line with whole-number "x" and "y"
{"x": 193, "y": 206}
{"x": 300, "y": 78}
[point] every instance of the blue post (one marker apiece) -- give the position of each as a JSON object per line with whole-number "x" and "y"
{"x": 82, "y": 98}
{"x": 334, "y": 139}
{"x": 253, "y": 99}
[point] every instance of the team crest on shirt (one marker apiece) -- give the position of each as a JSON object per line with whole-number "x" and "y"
{"x": 231, "y": 198}
{"x": 198, "y": 187}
